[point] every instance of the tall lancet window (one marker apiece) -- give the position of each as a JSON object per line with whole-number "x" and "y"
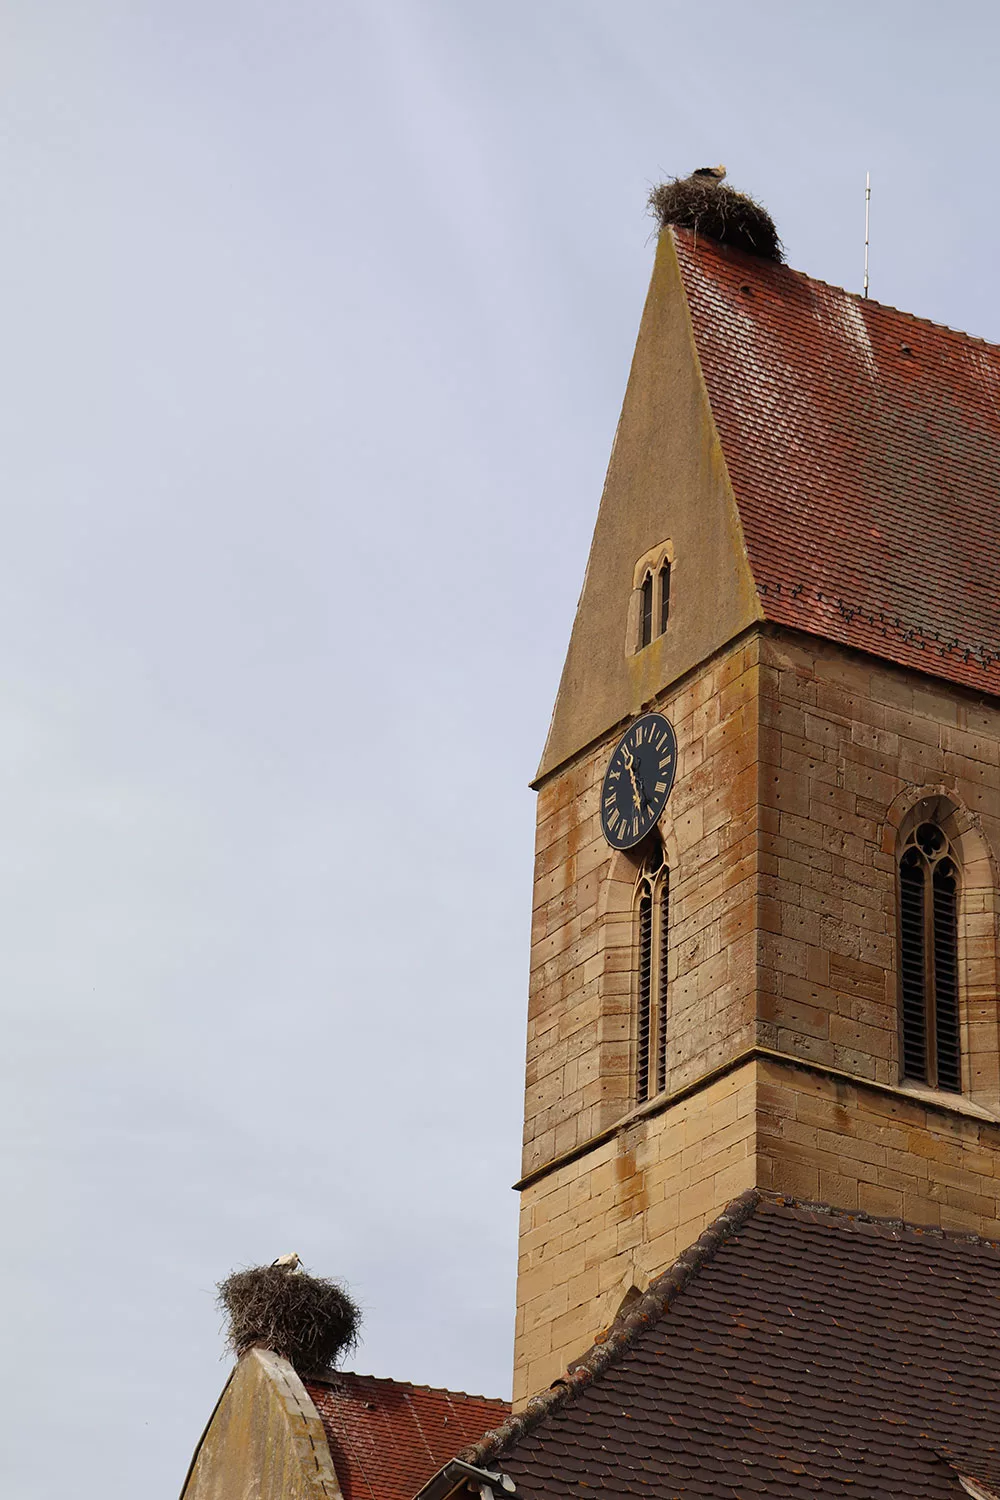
{"x": 928, "y": 959}
{"x": 664, "y": 581}
{"x": 652, "y": 919}
{"x": 646, "y": 612}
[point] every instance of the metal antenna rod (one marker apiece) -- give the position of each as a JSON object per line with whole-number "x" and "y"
{"x": 868, "y": 199}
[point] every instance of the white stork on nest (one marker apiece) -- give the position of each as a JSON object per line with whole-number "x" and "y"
{"x": 292, "y": 1262}
{"x": 708, "y": 175}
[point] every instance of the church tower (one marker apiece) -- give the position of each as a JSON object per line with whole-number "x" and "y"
{"x": 784, "y": 972}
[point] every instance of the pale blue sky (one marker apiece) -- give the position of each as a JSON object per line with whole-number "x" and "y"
{"x": 316, "y": 318}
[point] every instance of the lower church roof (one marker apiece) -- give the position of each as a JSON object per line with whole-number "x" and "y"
{"x": 387, "y": 1437}
{"x": 795, "y": 1350}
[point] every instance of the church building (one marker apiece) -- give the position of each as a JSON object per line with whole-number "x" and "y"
{"x": 760, "y": 1191}
{"x": 790, "y": 983}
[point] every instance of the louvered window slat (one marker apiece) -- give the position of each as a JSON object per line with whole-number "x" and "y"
{"x": 912, "y": 967}
{"x": 928, "y": 960}
{"x": 661, "y": 1003}
{"x": 645, "y": 993}
{"x": 949, "y": 1070}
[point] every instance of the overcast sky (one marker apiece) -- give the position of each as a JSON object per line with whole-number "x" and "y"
{"x": 316, "y": 319}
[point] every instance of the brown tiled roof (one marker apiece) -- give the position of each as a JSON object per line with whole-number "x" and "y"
{"x": 863, "y": 446}
{"x": 387, "y": 1437}
{"x": 794, "y": 1350}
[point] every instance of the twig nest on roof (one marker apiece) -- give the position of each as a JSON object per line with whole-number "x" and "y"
{"x": 310, "y": 1320}
{"x": 719, "y": 212}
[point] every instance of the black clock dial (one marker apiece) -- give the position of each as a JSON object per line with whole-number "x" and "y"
{"x": 638, "y": 780}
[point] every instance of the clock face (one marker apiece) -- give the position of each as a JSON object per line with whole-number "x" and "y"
{"x": 638, "y": 780}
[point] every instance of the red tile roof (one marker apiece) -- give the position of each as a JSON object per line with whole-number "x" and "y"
{"x": 863, "y": 446}
{"x": 794, "y": 1351}
{"x": 387, "y": 1438}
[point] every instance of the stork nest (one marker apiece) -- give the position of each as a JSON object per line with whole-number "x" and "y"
{"x": 308, "y": 1319}
{"x": 719, "y": 212}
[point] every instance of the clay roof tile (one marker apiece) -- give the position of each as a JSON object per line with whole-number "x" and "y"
{"x": 387, "y": 1437}
{"x": 863, "y": 446}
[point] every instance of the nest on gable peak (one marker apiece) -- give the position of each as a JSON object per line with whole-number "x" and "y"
{"x": 719, "y": 212}
{"x": 310, "y": 1320}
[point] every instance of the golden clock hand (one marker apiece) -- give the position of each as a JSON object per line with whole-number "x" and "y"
{"x": 635, "y": 786}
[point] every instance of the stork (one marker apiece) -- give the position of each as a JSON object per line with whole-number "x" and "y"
{"x": 291, "y": 1262}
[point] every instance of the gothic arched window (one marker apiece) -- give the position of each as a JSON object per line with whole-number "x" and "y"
{"x": 652, "y": 915}
{"x": 928, "y": 959}
{"x": 649, "y": 607}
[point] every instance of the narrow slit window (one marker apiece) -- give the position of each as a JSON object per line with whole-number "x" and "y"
{"x": 949, "y": 1071}
{"x": 652, "y": 916}
{"x": 646, "y": 620}
{"x": 645, "y": 993}
{"x": 911, "y": 967}
{"x": 664, "y": 595}
{"x": 661, "y": 988}
{"x": 928, "y": 961}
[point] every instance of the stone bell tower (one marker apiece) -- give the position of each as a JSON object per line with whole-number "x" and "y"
{"x": 794, "y": 562}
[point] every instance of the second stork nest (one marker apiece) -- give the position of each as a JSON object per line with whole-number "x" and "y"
{"x": 719, "y": 212}
{"x": 310, "y": 1320}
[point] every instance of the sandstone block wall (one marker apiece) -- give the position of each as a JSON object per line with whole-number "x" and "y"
{"x": 847, "y": 746}
{"x": 581, "y": 1001}
{"x": 888, "y": 1153}
{"x": 619, "y": 1215}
